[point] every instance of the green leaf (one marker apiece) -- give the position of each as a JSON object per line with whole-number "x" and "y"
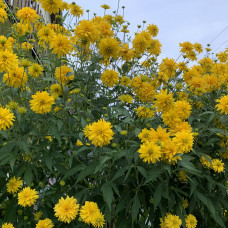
{"x": 107, "y": 194}
{"x": 189, "y": 166}
{"x": 84, "y": 173}
{"x": 83, "y": 122}
{"x": 153, "y": 174}
{"x": 157, "y": 195}
{"x": 206, "y": 201}
{"x": 135, "y": 207}
{"x": 142, "y": 171}
{"x": 24, "y": 146}
{"x": 12, "y": 161}
{"x": 48, "y": 162}
{"x": 219, "y": 220}
{"x": 119, "y": 173}
{"x": 28, "y": 176}
{"x": 73, "y": 171}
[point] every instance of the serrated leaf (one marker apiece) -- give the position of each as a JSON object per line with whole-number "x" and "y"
{"x": 207, "y": 202}
{"x": 107, "y": 194}
{"x": 135, "y": 208}
{"x": 157, "y": 195}
{"x": 48, "y": 162}
{"x": 84, "y": 173}
{"x": 73, "y": 171}
{"x": 142, "y": 171}
{"x": 28, "y": 176}
{"x": 153, "y": 174}
{"x": 119, "y": 173}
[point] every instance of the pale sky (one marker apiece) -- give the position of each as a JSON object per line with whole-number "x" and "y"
{"x": 178, "y": 20}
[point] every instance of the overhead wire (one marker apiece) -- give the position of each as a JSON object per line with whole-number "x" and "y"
{"x": 220, "y": 45}
{"x": 218, "y": 35}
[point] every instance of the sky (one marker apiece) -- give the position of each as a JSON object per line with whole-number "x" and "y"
{"x": 178, "y": 20}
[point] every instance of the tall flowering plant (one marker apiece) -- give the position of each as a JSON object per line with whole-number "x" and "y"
{"x": 98, "y": 133}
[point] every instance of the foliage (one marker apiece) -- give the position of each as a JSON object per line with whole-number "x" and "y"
{"x": 99, "y": 123}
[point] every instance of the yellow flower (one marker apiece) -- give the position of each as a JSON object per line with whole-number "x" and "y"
{"x": 182, "y": 176}
{"x": 182, "y": 109}
{"x": 154, "y": 47}
{"x": 109, "y": 47}
{"x": 88, "y": 211}
{"x": 79, "y": 143}
{"x": 27, "y": 15}
{"x": 35, "y": 70}
{"x": 105, "y": 6}
{"x": 150, "y": 152}
{"x": 76, "y": 10}
{"x": 46, "y": 223}
{"x": 7, "y": 225}
{"x": 181, "y": 126}
{"x": 105, "y": 29}
{"x": 222, "y": 104}
{"x": 61, "y": 74}
{"x": 218, "y": 165}
{"x": 25, "y": 63}
{"x": 38, "y": 215}
{"x": 8, "y": 61}
{"x": 169, "y": 151}
{"x": 183, "y": 141}
{"x": 66, "y": 209}
{"x": 56, "y": 90}
{"x": 49, "y": 138}
{"x": 141, "y": 42}
{"x": 98, "y": 220}
{"x": 160, "y": 136}
{"x": 65, "y": 6}
{"x": 13, "y": 105}
{"x": 21, "y": 110}
{"x": 14, "y": 185}
{"x": 198, "y": 47}
{"x": 126, "y": 53}
{"x": 75, "y": 91}
{"x": 45, "y": 34}
{"x": 52, "y": 6}
{"x": 125, "y": 81}
{"x": 185, "y": 203}
{"x": 6, "y": 43}
{"x": 205, "y": 161}
{"x": 87, "y": 31}
{"x": 172, "y": 221}
{"x": 191, "y": 221}
{"x": 145, "y": 135}
{"x": 100, "y": 132}
{"x": 41, "y": 102}
{"x": 186, "y": 47}
{"x": 61, "y": 45}
{"x": 6, "y": 118}
{"x": 16, "y": 78}
{"x": 110, "y": 77}
{"x": 3, "y": 15}
{"x": 27, "y": 197}
{"x": 164, "y": 101}
{"x": 124, "y": 132}
{"x": 146, "y": 92}
{"x": 126, "y": 98}
{"x": 222, "y": 56}
{"x": 152, "y": 29}
{"x": 167, "y": 69}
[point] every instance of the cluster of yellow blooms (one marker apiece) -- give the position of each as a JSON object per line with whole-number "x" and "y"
{"x": 173, "y": 221}
{"x": 65, "y": 210}
{"x": 158, "y": 92}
